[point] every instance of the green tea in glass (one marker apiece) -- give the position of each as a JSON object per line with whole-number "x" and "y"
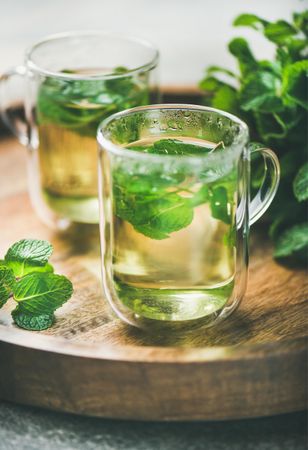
{"x": 74, "y": 81}
{"x": 174, "y": 213}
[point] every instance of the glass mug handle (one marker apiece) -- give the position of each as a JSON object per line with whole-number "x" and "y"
{"x": 17, "y": 125}
{"x": 269, "y": 186}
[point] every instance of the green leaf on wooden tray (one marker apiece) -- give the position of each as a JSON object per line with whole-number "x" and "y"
{"x": 37, "y": 290}
{"x": 42, "y": 293}
{"x": 300, "y": 184}
{"x": 7, "y": 281}
{"x": 21, "y": 269}
{"x": 29, "y": 255}
{"x": 32, "y": 322}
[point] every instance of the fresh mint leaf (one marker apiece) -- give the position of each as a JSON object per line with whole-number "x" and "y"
{"x": 295, "y": 84}
{"x": 225, "y": 98}
{"x": 214, "y": 70}
{"x": 210, "y": 84}
{"x": 176, "y": 147}
{"x": 7, "y": 281}
{"x": 250, "y": 20}
{"x": 158, "y": 203}
{"x": 120, "y": 86}
{"x": 292, "y": 240}
{"x": 39, "y": 292}
{"x": 164, "y": 216}
{"x": 279, "y": 32}
{"x": 172, "y": 147}
{"x": 42, "y": 293}
{"x": 240, "y": 49}
{"x": 29, "y": 255}
{"x": 300, "y": 184}
{"x": 30, "y": 322}
{"x": 277, "y": 125}
{"x": 301, "y": 21}
{"x": 260, "y": 92}
{"x": 221, "y": 95}
{"x": 33, "y": 250}
{"x": 21, "y": 269}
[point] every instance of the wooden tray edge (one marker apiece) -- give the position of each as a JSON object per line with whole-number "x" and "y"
{"x": 150, "y": 354}
{"x": 155, "y": 390}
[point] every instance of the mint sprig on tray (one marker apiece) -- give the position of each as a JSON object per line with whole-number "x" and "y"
{"x": 28, "y": 278}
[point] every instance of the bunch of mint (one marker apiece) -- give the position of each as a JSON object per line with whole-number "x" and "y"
{"x": 271, "y": 96}
{"x": 27, "y": 277}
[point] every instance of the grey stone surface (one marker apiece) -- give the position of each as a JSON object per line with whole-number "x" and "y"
{"x": 27, "y": 428}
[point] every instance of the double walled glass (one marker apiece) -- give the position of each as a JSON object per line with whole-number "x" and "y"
{"x": 175, "y": 222}
{"x": 72, "y": 82}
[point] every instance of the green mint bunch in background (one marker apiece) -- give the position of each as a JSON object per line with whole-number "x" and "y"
{"x": 271, "y": 96}
{"x": 27, "y": 277}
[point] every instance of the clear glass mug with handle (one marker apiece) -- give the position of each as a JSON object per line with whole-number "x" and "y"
{"x": 73, "y": 81}
{"x": 175, "y": 213}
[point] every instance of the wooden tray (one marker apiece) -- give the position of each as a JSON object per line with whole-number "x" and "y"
{"x": 90, "y": 363}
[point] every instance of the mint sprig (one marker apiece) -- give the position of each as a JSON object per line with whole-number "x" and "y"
{"x": 153, "y": 202}
{"x": 27, "y": 277}
{"x": 80, "y": 105}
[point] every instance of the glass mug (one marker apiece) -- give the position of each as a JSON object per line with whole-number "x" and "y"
{"x": 72, "y": 82}
{"x": 175, "y": 213}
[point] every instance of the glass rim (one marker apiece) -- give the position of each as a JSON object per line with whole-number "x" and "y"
{"x": 115, "y": 149}
{"x": 151, "y": 64}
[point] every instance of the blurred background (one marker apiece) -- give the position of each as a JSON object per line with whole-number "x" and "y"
{"x": 188, "y": 33}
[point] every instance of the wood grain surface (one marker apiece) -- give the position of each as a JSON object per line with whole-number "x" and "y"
{"x": 89, "y": 362}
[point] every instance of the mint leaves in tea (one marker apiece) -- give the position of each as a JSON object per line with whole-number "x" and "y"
{"x": 173, "y": 231}
{"x": 68, "y": 113}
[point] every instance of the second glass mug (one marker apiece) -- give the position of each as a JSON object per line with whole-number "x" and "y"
{"x": 175, "y": 225}
{"x": 72, "y": 82}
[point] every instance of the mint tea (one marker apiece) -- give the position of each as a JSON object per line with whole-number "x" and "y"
{"x": 172, "y": 231}
{"x": 68, "y": 114}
